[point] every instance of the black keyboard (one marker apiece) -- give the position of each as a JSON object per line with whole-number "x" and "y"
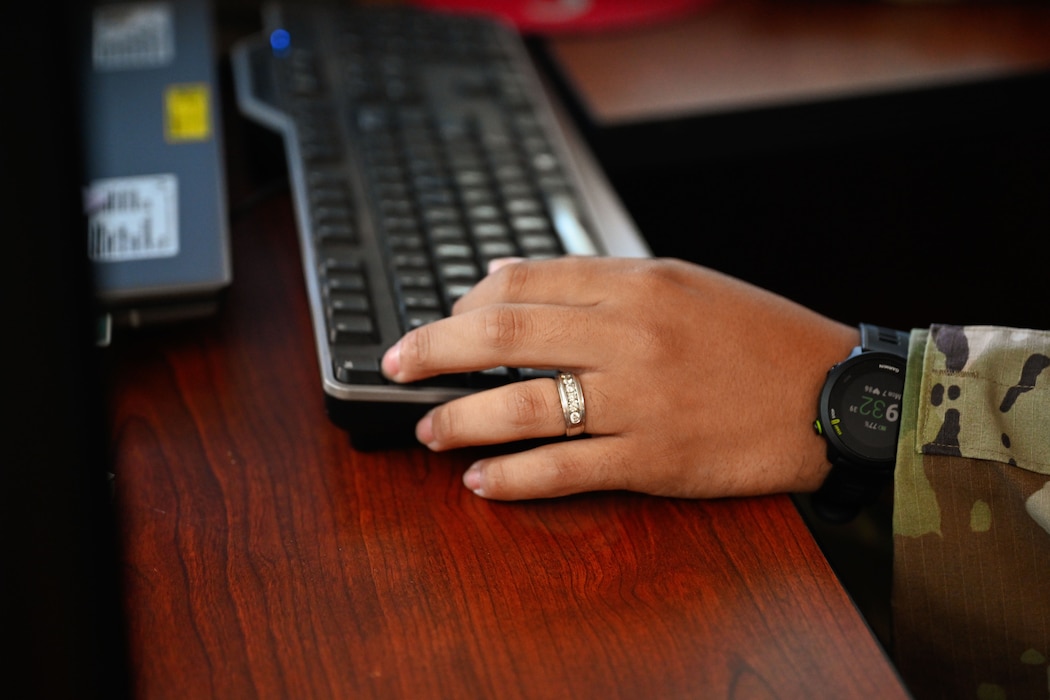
{"x": 420, "y": 146}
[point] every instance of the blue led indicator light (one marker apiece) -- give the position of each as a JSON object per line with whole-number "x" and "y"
{"x": 280, "y": 40}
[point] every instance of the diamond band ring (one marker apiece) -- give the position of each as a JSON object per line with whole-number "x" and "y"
{"x": 571, "y": 394}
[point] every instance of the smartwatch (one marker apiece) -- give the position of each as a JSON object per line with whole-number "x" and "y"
{"x": 859, "y": 416}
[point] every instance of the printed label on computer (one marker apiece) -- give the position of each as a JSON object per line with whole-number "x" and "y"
{"x": 133, "y": 218}
{"x": 133, "y": 35}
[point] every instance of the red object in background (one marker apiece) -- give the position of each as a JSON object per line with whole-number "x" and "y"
{"x": 567, "y": 16}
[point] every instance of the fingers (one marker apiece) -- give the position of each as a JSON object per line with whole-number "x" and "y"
{"x": 541, "y": 314}
{"x": 512, "y": 335}
{"x": 518, "y": 411}
{"x": 576, "y": 281}
{"x": 557, "y": 469}
{"x": 522, "y": 411}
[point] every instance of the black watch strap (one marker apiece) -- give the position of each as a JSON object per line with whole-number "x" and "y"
{"x": 878, "y": 339}
{"x": 846, "y": 491}
{"x": 848, "y": 488}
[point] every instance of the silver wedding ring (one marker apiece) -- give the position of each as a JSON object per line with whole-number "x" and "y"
{"x": 571, "y": 394}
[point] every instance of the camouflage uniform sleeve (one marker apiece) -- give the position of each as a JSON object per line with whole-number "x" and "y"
{"x": 971, "y": 574}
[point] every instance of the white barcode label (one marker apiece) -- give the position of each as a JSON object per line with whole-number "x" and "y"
{"x": 133, "y": 218}
{"x": 133, "y": 35}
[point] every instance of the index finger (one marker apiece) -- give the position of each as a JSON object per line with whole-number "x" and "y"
{"x": 541, "y": 336}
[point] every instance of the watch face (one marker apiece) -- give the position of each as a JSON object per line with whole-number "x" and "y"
{"x": 863, "y": 406}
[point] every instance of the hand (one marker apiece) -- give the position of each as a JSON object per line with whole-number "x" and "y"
{"x": 695, "y": 384}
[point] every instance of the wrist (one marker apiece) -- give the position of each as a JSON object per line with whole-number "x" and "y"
{"x": 858, "y": 415}
{"x": 831, "y": 348}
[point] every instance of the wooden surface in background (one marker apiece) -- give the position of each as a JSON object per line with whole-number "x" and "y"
{"x": 745, "y": 54}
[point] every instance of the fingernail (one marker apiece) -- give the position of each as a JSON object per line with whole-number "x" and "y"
{"x": 425, "y": 430}
{"x": 391, "y": 363}
{"x": 472, "y": 479}
{"x": 498, "y": 263}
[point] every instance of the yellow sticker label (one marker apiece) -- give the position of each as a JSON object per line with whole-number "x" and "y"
{"x": 187, "y": 113}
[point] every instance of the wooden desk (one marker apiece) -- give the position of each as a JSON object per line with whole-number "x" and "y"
{"x": 266, "y": 558}
{"x": 744, "y": 55}
{"x": 761, "y": 78}
{"x": 263, "y": 557}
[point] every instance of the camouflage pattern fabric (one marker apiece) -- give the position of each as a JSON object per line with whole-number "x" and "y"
{"x": 971, "y": 572}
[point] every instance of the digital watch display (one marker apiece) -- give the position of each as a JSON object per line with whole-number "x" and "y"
{"x": 859, "y": 416}
{"x": 864, "y": 406}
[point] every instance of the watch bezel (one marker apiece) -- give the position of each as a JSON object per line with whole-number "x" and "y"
{"x": 837, "y": 447}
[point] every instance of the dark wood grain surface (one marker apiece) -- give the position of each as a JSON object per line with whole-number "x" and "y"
{"x": 265, "y": 558}
{"x": 741, "y": 55}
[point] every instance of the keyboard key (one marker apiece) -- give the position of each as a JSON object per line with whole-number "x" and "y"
{"x": 345, "y": 281}
{"x": 457, "y": 251}
{"x": 455, "y": 291}
{"x": 414, "y": 318}
{"x": 351, "y": 328}
{"x": 540, "y": 244}
{"x": 460, "y": 270}
{"x": 350, "y": 301}
{"x": 421, "y": 299}
{"x": 363, "y": 369}
{"x": 414, "y": 260}
{"x": 497, "y": 249}
{"x": 343, "y": 232}
{"x": 529, "y": 224}
{"x": 415, "y": 279}
{"x": 490, "y": 230}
